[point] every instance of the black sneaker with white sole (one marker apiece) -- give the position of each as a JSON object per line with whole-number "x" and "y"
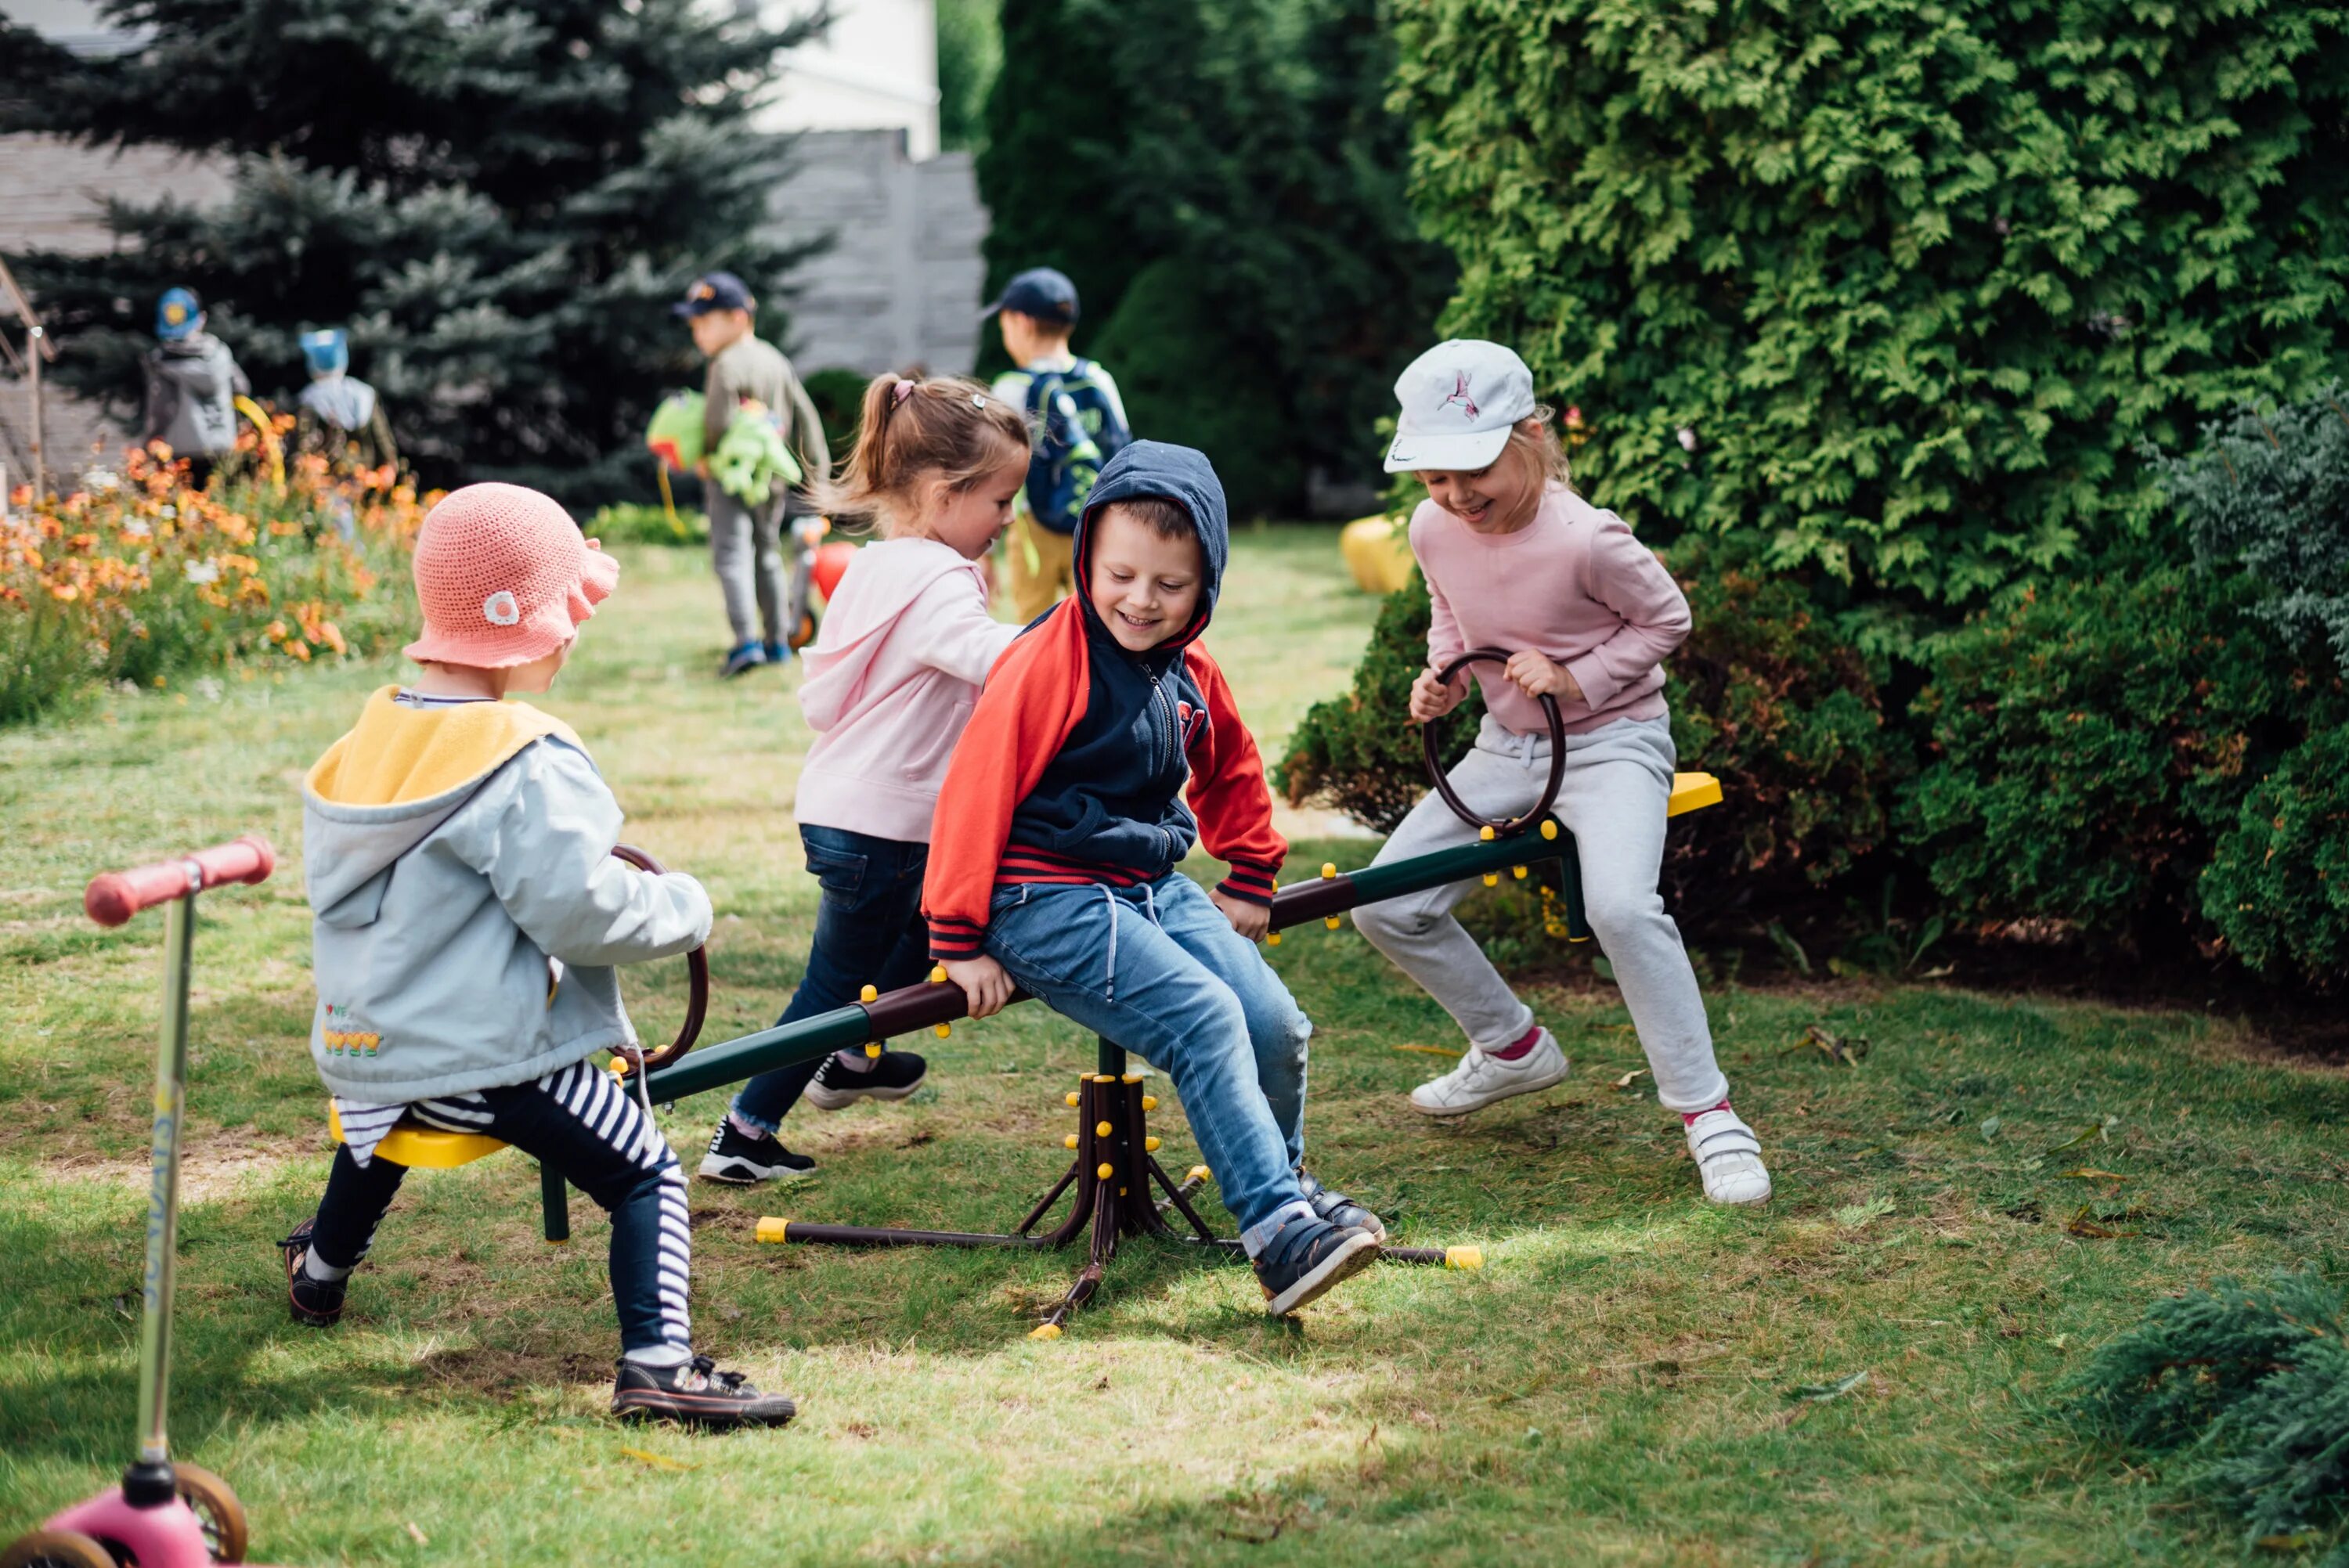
{"x": 1339, "y": 1210}
{"x": 740, "y": 1159}
{"x": 315, "y": 1302}
{"x": 695, "y": 1393}
{"x": 893, "y": 1075}
{"x": 1305, "y": 1258}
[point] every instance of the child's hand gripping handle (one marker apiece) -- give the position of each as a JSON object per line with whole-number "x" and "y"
{"x": 116, "y": 896}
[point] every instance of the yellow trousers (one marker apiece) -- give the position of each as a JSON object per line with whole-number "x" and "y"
{"x": 1038, "y": 564}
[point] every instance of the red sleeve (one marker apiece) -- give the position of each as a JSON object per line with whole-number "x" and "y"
{"x": 1227, "y": 791}
{"x": 1032, "y": 699}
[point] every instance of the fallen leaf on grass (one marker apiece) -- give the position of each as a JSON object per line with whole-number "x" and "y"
{"x": 2094, "y": 1133}
{"x": 1429, "y": 1050}
{"x": 2084, "y": 1224}
{"x": 1842, "y": 1050}
{"x": 1820, "y": 1393}
{"x": 1625, "y": 1081}
{"x": 416, "y": 1535}
{"x": 1859, "y": 1216}
{"x": 1990, "y": 1129}
{"x": 657, "y": 1461}
{"x": 2300, "y": 1542}
{"x": 2089, "y": 1173}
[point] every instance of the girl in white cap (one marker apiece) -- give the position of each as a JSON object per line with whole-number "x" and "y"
{"x": 1515, "y": 560}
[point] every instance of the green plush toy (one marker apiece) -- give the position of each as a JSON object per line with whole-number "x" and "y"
{"x": 750, "y": 457}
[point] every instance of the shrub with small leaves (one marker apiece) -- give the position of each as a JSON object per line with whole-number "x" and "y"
{"x": 2248, "y": 1387}
{"x": 2278, "y": 887}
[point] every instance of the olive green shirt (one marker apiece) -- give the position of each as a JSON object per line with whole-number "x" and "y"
{"x": 751, "y": 367}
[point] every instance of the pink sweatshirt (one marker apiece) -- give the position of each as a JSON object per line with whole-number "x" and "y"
{"x": 905, "y": 642}
{"x": 1573, "y": 585}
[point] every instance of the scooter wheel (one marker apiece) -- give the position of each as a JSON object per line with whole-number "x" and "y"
{"x": 55, "y": 1549}
{"x": 216, "y": 1508}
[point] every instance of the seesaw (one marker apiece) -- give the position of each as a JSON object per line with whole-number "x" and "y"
{"x": 1114, "y": 1163}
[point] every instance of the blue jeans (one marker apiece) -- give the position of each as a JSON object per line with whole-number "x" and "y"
{"x": 868, "y": 932}
{"x": 1158, "y": 970}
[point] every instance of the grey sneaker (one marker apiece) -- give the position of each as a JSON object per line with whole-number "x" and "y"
{"x": 695, "y": 1393}
{"x": 1339, "y": 1210}
{"x": 1306, "y": 1258}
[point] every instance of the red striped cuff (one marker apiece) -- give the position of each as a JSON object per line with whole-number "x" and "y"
{"x": 956, "y": 939}
{"x": 1251, "y": 884}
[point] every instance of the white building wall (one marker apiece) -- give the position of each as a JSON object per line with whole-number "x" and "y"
{"x": 875, "y": 69}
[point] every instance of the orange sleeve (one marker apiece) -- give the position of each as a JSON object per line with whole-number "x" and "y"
{"x": 1032, "y": 699}
{"x": 1228, "y": 794}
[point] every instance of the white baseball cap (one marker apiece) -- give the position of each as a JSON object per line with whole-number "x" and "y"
{"x": 1459, "y": 400}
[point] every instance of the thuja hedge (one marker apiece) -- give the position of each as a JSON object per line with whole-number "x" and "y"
{"x": 1891, "y": 290}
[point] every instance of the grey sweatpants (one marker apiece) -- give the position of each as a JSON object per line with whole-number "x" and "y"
{"x": 745, "y": 548}
{"x": 1618, "y": 779}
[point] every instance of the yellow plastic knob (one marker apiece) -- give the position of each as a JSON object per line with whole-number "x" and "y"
{"x": 938, "y": 974}
{"x": 869, "y": 993}
{"x": 1105, "y": 1077}
{"x": 1491, "y": 879}
{"x": 774, "y": 1230}
{"x": 944, "y": 1030}
{"x": 1272, "y": 940}
{"x": 1069, "y": 1141}
{"x": 1073, "y": 1099}
{"x": 873, "y": 1050}
{"x": 1045, "y": 1331}
{"x": 1101, "y": 1129}
{"x": 1550, "y": 827}
{"x": 1130, "y": 1078}
{"x": 1151, "y": 1144}
{"x": 1330, "y": 920}
{"x": 1198, "y": 1173}
{"x": 619, "y": 1067}
{"x": 1106, "y": 1171}
{"x": 1484, "y": 833}
{"x": 1150, "y": 1102}
{"x": 1518, "y": 872}
{"x": 1463, "y": 1257}
{"x": 1328, "y": 871}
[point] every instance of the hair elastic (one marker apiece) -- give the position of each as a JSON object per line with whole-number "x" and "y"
{"x": 899, "y": 393}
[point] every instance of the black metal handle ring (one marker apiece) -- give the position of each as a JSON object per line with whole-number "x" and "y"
{"x": 697, "y": 979}
{"x": 1431, "y": 733}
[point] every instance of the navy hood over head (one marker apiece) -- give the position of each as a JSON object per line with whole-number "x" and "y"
{"x": 1110, "y": 802}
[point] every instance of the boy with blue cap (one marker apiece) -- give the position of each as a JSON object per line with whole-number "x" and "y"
{"x": 193, "y": 384}
{"x": 1080, "y": 422}
{"x": 339, "y": 415}
{"x": 746, "y": 540}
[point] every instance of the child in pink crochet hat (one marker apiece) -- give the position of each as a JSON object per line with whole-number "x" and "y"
{"x": 470, "y": 923}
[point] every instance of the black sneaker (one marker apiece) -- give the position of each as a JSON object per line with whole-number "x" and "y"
{"x": 739, "y": 1160}
{"x": 695, "y": 1393}
{"x": 1306, "y": 1258}
{"x": 893, "y": 1076}
{"x": 1342, "y": 1211}
{"x": 747, "y": 657}
{"x": 317, "y": 1302}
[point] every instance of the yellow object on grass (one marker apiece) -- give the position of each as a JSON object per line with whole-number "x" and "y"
{"x": 1378, "y": 552}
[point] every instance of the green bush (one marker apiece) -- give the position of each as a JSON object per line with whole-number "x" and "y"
{"x": 2270, "y": 496}
{"x": 1762, "y": 694}
{"x": 2278, "y": 887}
{"x": 839, "y": 399}
{"x": 1914, "y": 279}
{"x": 2247, "y": 1388}
{"x": 2093, "y": 745}
{"x": 633, "y": 522}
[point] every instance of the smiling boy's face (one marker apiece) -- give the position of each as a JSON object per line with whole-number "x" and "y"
{"x": 1143, "y": 585}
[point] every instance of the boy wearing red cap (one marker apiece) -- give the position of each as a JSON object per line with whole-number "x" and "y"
{"x": 468, "y": 919}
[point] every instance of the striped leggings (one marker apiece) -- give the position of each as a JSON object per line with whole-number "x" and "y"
{"x": 586, "y": 1128}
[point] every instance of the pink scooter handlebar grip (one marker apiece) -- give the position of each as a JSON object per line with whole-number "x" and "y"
{"x": 116, "y": 896}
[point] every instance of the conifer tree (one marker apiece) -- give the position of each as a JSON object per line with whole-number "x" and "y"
{"x": 499, "y": 201}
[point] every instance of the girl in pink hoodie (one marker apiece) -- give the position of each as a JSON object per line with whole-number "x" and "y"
{"x": 1515, "y": 561}
{"x": 906, "y": 640}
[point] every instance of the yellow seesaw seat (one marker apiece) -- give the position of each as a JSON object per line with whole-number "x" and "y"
{"x": 424, "y": 1148}
{"x": 1692, "y": 792}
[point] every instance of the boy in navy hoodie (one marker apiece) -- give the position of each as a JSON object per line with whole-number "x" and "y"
{"x": 1059, "y": 829}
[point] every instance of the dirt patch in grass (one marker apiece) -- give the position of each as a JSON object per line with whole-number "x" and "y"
{"x": 205, "y": 1173}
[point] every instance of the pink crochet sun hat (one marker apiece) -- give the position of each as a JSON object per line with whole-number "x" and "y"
{"x": 503, "y": 578}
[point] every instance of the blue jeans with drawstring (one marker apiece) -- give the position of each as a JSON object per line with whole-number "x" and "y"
{"x": 1159, "y": 970}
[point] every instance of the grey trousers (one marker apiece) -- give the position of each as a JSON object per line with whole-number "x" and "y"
{"x": 745, "y": 548}
{"x": 1618, "y": 779}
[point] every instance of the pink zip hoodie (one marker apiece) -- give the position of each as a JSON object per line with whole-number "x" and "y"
{"x": 906, "y": 640}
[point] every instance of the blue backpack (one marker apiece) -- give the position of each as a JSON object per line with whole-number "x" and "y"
{"x": 1078, "y": 429}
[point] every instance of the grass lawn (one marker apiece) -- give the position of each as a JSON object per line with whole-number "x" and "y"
{"x": 1997, "y": 1185}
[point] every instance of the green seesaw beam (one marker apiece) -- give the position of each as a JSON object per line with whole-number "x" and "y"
{"x": 935, "y": 1004}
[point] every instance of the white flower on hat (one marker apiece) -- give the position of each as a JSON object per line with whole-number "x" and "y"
{"x": 501, "y": 608}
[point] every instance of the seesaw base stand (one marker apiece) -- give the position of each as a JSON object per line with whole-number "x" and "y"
{"x": 1116, "y": 1164}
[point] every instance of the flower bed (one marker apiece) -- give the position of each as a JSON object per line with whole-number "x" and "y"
{"x": 138, "y": 577}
